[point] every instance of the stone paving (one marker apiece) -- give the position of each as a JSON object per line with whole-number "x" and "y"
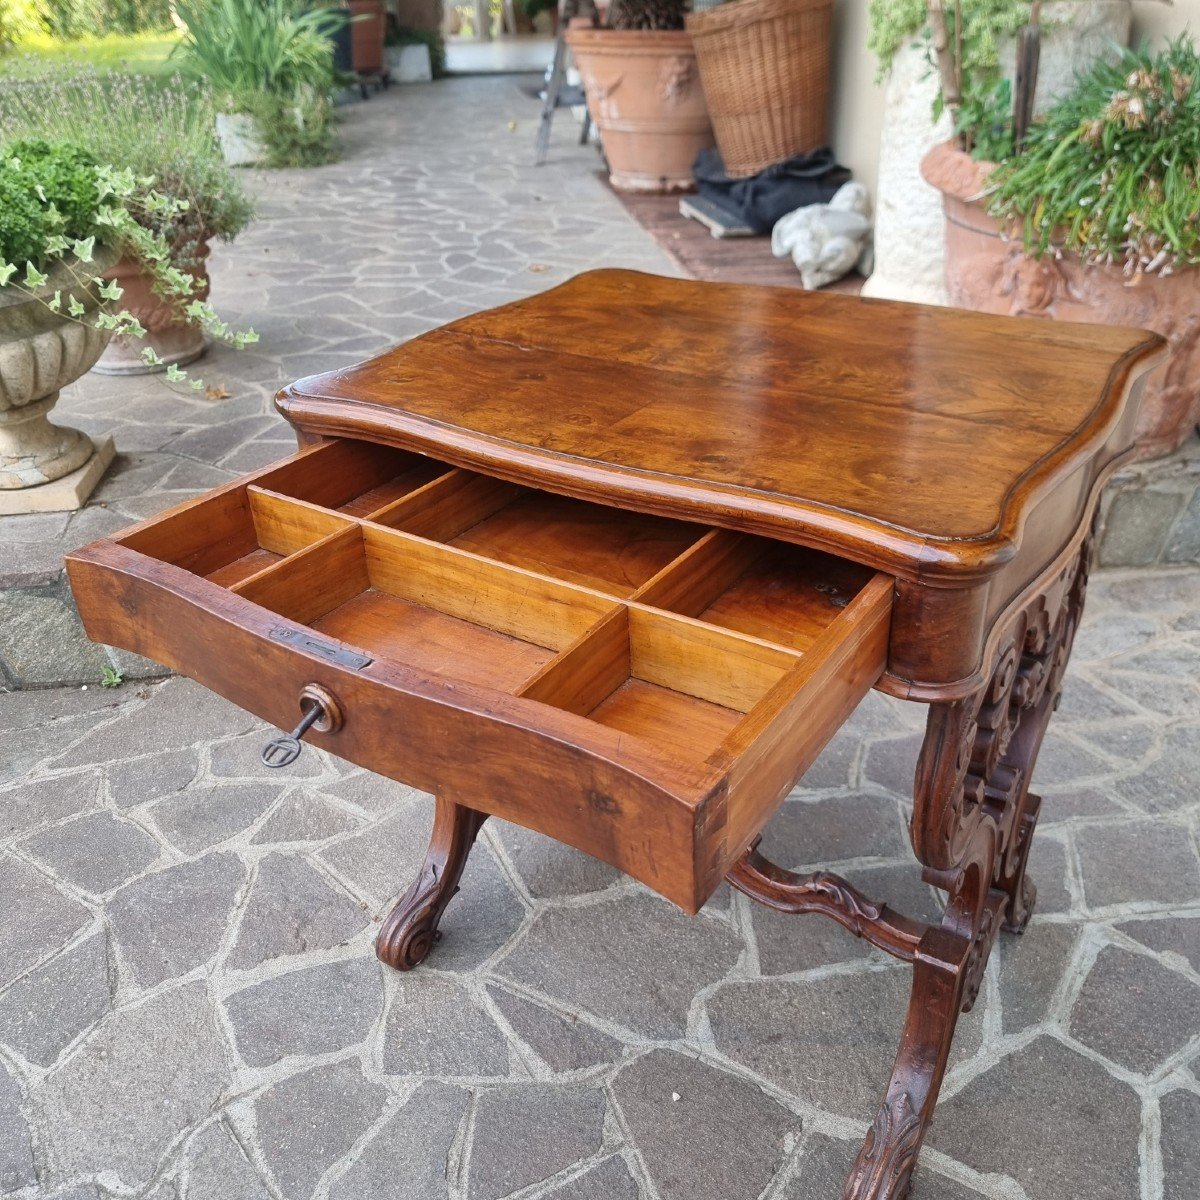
{"x": 189, "y": 1004}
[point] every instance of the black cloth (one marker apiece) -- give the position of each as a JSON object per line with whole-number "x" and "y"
{"x": 781, "y": 188}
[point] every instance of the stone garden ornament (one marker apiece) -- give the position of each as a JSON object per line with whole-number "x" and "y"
{"x": 825, "y": 241}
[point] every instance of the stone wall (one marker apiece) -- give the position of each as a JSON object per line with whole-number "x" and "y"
{"x": 1150, "y": 513}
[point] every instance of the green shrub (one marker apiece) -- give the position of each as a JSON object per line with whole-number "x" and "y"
{"x": 1112, "y": 173}
{"x": 45, "y": 190}
{"x": 273, "y": 59}
{"x": 245, "y": 47}
{"x": 57, "y": 204}
{"x": 95, "y": 18}
{"x": 298, "y": 129}
{"x": 37, "y": 181}
{"x": 19, "y": 19}
{"x": 986, "y": 23}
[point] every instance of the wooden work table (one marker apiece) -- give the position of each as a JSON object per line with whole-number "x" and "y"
{"x": 615, "y": 563}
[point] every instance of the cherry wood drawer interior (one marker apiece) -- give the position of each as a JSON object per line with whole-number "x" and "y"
{"x": 701, "y": 661}
{"x": 239, "y": 531}
{"x": 422, "y": 604}
{"x": 606, "y": 548}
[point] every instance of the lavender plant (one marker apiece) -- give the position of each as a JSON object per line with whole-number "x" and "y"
{"x": 109, "y": 117}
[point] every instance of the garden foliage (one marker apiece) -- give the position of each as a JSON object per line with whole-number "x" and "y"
{"x": 1112, "y": 173}
{"x": 270, "y": 58}
{"x": 57, "y": 205}
{"x": 165, "y": 132}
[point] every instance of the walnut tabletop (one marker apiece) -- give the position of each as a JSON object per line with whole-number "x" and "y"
{"x": 913, "y": 438}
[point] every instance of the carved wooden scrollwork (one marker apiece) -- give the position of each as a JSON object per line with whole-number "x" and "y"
{"x": 409, "y": 931}
{"x": 975, "y": 765}
{"x": 973, "y": 823}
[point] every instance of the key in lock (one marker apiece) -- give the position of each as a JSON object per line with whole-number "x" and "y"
{"x": 283, "y": 750}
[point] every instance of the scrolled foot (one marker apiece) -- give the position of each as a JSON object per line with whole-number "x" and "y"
{"x": 884, "y": 1167}
{"x": 410, "y": 930}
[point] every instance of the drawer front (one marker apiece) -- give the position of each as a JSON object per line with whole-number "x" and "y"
{"x": 644, "y": 689}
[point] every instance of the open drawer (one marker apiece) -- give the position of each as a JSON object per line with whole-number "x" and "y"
{"x": 644, "y": 689}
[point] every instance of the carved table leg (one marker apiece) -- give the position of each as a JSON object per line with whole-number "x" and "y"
{"x": 410, "y": 929}
{"x": 972, "y": 827}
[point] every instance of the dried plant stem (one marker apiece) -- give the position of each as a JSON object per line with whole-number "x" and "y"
{"x": 945, "y": 57}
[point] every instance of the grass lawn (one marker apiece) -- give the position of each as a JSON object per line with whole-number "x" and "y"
{"x": 139, "y": 53}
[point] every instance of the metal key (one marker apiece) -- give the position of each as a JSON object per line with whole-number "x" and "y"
{"x": 282, "y": 751}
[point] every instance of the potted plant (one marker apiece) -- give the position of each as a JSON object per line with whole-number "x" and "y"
{"x": 909, "y": 221}
{"x": 270, "y": 64}
{"x": 414, "y": 55}
{"x": 644, "y": 94}
{"x": 1091, "y": 213}
{"x": 106, "y": 116}
{"x": 65, "y": 219}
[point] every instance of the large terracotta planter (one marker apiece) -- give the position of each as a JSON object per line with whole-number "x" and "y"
{"x": 40, "y": 353}
{"x": 175, "y": 340}
{"x": 644, "y": 94}
{"x": 991, "y": 273}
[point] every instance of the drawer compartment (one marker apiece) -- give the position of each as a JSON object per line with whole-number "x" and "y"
{"x": 604, "y": 548}
{"x": 645, "y": 690}
{"x": 414, "y": 602}
{"x": 663, "y": 680}
{"x": 235, "y": 534}
{"x": 785, "y": 594}
{"x": 354, "y": 478}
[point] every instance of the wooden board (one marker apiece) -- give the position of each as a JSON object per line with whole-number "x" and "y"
{"x": 428, "y": 640}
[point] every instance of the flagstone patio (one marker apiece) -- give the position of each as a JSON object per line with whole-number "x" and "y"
{"x": 189, "y": 1004}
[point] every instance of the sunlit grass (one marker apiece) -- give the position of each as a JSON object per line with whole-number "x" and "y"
{"x": 136, "y": 54}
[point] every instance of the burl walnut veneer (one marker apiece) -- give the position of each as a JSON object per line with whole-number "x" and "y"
{"x": 616, "y": 561}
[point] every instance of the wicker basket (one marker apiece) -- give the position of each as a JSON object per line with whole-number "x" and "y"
{"x": 765, "y": 69}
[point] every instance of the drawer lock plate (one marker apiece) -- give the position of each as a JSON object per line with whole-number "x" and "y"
{"x": 327, "y": 650}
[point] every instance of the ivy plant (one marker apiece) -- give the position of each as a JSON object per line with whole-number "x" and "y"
{"x": 57, "y": 204}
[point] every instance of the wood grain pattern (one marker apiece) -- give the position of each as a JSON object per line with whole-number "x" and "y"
{"x": 602, "y": 548}
{"x": 425, "y": 639}
{"x": 506, "y": 599}
{"x": 782, "y": 737}
{"x": 829, "y": 419}
{"x": 354, "y": 476}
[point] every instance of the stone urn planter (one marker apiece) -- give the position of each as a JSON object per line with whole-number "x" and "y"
{"x": 989, "y": 272}
{"x": 175, "y": 340}
{"x": 644, "y": 95}
{"x": 40, "y": 353}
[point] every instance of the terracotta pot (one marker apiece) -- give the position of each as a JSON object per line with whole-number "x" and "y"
{"x": 175, "y": 340}
{"x": 368, "y": 25}
{"x": 990, "y": 273}
{"x": 644, "y": 94}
